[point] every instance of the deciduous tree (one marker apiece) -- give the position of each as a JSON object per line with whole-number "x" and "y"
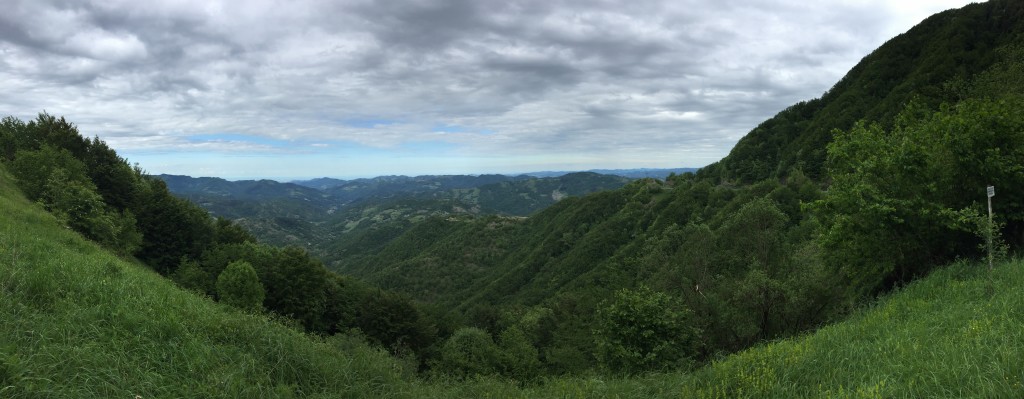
{"x": 239, "y": 286}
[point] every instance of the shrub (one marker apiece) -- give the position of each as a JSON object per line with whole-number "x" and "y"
{"x": 642, "y": 330}
{"x": 239, "y": 286}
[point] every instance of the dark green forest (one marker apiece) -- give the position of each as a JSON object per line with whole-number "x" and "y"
{"x": 817, "y": 211}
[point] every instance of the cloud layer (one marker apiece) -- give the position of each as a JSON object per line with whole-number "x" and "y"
{"x": 311, "y": 88}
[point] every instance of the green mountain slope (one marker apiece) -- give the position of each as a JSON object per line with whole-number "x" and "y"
{"x": 761, "y": 255}
{"x": 956, "y": 333}
{"x": 933, "y": 61}
{"x": 79, "y": 322}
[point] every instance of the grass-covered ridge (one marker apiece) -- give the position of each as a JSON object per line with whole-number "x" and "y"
{"x": 78, "y": 322}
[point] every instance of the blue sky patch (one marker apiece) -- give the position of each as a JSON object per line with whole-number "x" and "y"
{"x": 234, "y": 137}
{"x": 368, "y": 123}
{"x": 446, "y": 128}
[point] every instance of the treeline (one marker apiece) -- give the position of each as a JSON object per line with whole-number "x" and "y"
{"x": 92, "y": 190}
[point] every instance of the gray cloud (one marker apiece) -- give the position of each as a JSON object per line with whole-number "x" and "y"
{"x": 677, "y": 82}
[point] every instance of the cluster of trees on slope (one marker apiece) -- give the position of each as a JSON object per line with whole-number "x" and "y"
{"x": 890, "y": 198}
{"x": 93, "y": 191}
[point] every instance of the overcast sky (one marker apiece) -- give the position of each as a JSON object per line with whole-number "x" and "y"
{"x": 296, "y": 89}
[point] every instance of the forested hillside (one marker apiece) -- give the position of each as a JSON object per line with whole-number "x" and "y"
{"x": 829, "y": 203}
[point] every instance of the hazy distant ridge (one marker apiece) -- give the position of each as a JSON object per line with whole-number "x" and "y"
{"x": 630, "y": 173}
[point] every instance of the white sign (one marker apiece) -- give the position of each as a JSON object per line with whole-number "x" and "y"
{"x": 991, "y": 191}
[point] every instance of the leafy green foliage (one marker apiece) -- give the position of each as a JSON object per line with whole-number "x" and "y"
{"x": 85, "y": 309}
{"x": 77, "y": 204}
{"x": 190, "y": 275}
{"x": 57, "y": 180}
{"x": 643, "y": 330}
{"x": 33, "y": 169}
{"x": 469, "y": 352}
{"x": 394, "y": 322}
{"x": 173, "y": 228}
{"x": 104, "y": 327}
{"x": 519, "y": 356}
{"x": 227, "y": 232}
{"x": 472, "y": 352}
{"x": 95, "y": 192}
{"x": 12, "y": 130}
{"x": 239, "y": 286}
{"x": 898, "y": 199}
{"x": 684, "y": 238}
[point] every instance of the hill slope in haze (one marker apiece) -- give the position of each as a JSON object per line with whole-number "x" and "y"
{"x": 314, "y": 218}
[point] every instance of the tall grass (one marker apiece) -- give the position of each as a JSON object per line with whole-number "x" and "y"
{"x": 77, "y": 322}
{"x": 953, "y": 334}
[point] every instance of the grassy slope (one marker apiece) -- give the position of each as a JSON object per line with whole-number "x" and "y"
{"x": 78, "y": 322}
{"x": 951, "y": 334}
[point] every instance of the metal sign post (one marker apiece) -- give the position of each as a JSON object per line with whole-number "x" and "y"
{"x": 991, "y": 193}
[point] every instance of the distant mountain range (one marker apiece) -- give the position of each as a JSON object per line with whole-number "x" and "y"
{"x": 467, "y": 181}
{"x": 313, "y": 213}
{"x": 630, "y": 173}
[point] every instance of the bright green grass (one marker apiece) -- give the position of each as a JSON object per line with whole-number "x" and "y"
{"x": 77, "y": 322}
{"x": 951, "y": 335}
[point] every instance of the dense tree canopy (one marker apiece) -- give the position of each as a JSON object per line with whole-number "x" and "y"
{"x": 907, "y": 199}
